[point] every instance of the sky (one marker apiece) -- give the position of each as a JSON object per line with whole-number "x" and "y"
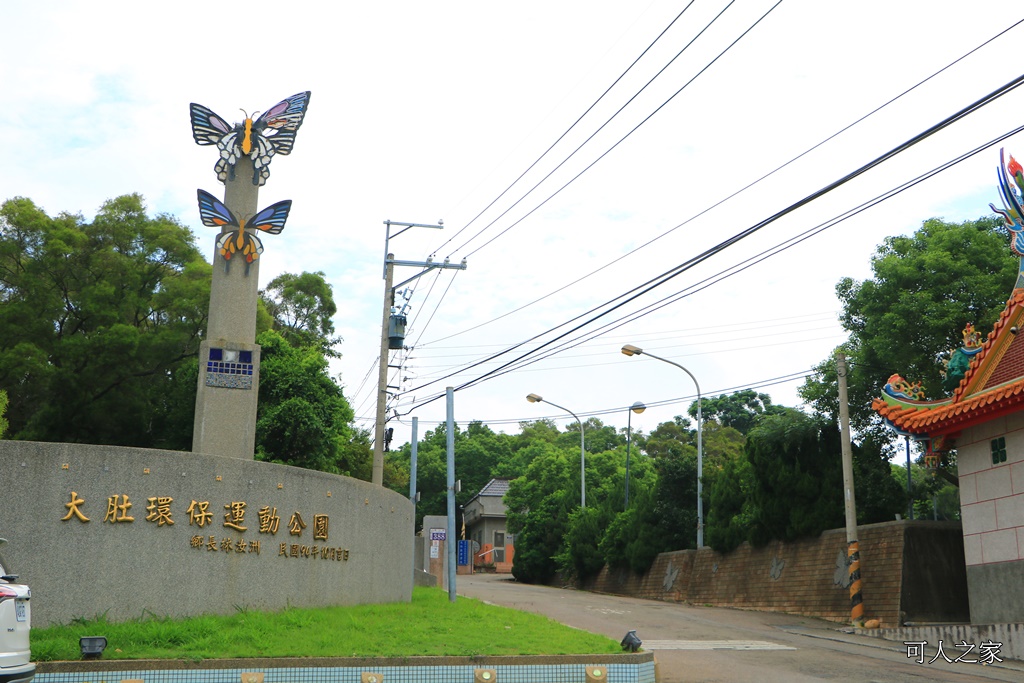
{"x": 445, "y": 111}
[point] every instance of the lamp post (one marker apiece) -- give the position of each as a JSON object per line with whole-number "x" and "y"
{"x": 637, "y": 408}
{"x": 631, "y": 350}
{"x": 534, "y": 398}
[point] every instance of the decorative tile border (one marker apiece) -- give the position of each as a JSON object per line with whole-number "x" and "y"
{"x": 626, "y": 668}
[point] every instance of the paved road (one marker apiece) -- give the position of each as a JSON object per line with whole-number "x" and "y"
{"x": 717, "y": 644}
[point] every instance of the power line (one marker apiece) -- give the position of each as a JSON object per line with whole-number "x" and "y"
{"x": 736, "y": 268}
{"x": 355, "y": 394}
{"x": 706, "y": 329}
{"x": 567, "y": 131}
{"x": 437, "y": 276}
{"x": 672, "y": 273}
{"x": 833, "y": 328}
{"x": 627, "y": 135}
{"x": 434, "y": 312}
{"x": 741, "y": 190}
{"x": 758, "y": 384}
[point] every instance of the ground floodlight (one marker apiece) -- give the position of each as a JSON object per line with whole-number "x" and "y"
{"x": 631, "y": 642}
{"x": 92, "y": 646}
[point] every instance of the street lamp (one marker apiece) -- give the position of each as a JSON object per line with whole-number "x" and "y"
{"x": 631, "y": 350}
{"x": 637, "y": 408}
{"x": 534, "y": 398}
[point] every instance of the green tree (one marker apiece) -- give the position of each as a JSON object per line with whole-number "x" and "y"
{"x": 739, "y": 410}
{"x": 905, "y": 319}
{"x": 798, "y": 477}
{"x": 663, "y": 511}
{"x": 673, "y": 511}
{"x": 539, "y": 504}
{"x": 670, "y": 438}
{"x": 796, "y": 461}
{"x": 95, "y": 319}
{"x": 881, "y": 496}
{"x": 301, "y": 308}
{"x": 934, "y": 497}
{"x": 518, "y": 460}
{"x": 590, "y": 541}
{"x": 731, "y": 510}
{"x": 726, "y": 487}
{"x": 479, "y": 454}
{"x": 662, "y": 515}
{"x": 303, "y": 418}
{"x": 175, "y": 408}
{"x": 579, "y": 556}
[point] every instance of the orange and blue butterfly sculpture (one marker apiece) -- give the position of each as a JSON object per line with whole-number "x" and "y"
{"x": 260, "y": 139}
{"x": 240, "y": 242}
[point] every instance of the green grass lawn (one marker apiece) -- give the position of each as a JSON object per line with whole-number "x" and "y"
{"x": 428, "y": 625}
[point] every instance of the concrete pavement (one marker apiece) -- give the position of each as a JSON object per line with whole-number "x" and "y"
{"x": 703, "y": 643}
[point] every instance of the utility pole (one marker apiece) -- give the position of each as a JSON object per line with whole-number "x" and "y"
{"x": 850, "y": 500}
{"x": 385, "y": 344}
{"x": 451, "y": 542}
{"x": 414, "y": 495}
{"x": 382, "y": 374}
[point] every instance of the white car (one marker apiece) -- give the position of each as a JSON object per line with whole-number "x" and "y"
{"x": 15, "y": 621}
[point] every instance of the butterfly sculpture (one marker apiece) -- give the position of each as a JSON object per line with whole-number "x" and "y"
{"x": 260, "y": 139}
{"x": 239, "y": 242}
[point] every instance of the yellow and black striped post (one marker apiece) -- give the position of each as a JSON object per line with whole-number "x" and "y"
{"x": 849, "y": 497}
{"x": 856, "y": 600}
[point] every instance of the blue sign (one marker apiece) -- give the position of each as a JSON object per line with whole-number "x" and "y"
{"x": 463, "y": 553}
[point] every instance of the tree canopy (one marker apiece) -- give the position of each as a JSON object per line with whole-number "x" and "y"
{"x": 95, "y": 319}
{"x": 301, "y": 308}
{"x": 905, "y": 319}
{"x": 739, "y": 410}
{"x": 303, "y": 418}
{"x": 100, "y": 324}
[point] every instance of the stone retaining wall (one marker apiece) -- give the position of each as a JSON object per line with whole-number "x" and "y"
{"x": 911, "y": 571}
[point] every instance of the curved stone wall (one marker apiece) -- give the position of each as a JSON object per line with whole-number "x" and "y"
{"x": 128, "y": 532}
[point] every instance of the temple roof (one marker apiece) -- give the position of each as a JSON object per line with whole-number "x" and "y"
{"x": 993, "y": 381}
{"x": 993, "y": 384}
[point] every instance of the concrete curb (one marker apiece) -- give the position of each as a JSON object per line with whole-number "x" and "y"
{"x": 91, "y": 666}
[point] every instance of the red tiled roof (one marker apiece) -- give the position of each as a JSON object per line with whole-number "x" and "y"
{"x": 952, "y": 416}
{"x": 1013, "y": 304}
{"x": 992, "y": 385}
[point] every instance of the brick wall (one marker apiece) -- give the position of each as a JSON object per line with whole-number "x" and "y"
{"x": 808, "y": 576}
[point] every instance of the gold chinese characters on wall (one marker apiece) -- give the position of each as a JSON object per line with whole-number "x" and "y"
{"x": 160, "y": 511}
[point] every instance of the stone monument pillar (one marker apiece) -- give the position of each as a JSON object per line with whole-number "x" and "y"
{"x": 229, "y": 358}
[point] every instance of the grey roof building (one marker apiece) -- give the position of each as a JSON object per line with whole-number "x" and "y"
{"x": 485, "y": 517}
